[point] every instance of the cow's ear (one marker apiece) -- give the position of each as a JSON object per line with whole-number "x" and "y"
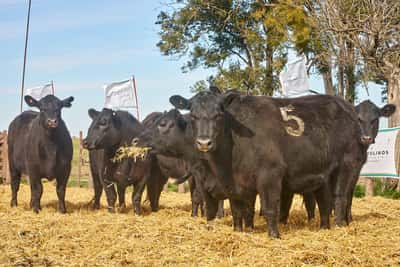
{"x": 116, "y": 120}
{"x": 229, "y": 97}
{"x": 182, "y": 123}
{"x": 31, "y": 101}
{"x": 66, "y": 103}
{"x": 388, "y": 110}
{"x": 180, "y": 102}
{"x": 93, "y": 113}
{"x": 215, "y": 90}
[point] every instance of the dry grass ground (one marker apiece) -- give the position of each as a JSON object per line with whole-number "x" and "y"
{"x": 171, "y": 237}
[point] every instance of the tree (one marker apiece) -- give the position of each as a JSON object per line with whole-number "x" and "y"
{"x": 330, "y": 51}
{"x": 245, "y": 41}
{"x": 372, "y": 30}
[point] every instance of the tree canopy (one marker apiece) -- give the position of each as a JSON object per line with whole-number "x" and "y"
{"x": 246, "y": 42}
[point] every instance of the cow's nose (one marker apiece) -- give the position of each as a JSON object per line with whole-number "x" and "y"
{"x": 366, "y": 139}
{"x": 53, "y": 123}
{"x": 204, "y": 144}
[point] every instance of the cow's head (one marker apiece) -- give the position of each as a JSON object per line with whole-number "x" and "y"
{"x": 104, "y": 129}
{"x": 50, "y": 109}
{"x": 207, "y": 116}
{"x": 166, "y": 135}
{"x": 368, "y": 118}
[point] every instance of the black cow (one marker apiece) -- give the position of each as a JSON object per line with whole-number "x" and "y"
{"x": 176, "y": 167}
{"x": 257, "y": 144}
{"x": 40, "y": 146}
{"x": 368, "y": 118}
{"x": 109, "y": 131}
{"x": 171, "y": 135}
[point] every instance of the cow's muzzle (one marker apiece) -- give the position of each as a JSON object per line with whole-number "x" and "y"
{"x": 52, "y": 123}
{"x": 204, "y": 144}
{"x": 367, "y": 140}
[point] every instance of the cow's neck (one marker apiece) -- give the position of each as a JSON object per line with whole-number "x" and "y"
{"x": 220, "y": 160}
{"x": 48, "y": 133}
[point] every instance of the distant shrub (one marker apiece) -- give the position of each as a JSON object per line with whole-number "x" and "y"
{"x": 381, "y": 190}
{"x": 359, "y": 191}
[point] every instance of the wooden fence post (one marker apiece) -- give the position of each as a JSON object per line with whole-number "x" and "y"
{"x": 80, "y": 160}
{"x": 181, "y": 188}
{"x": 369, "y": 187}
{"x": 4, "y": 169}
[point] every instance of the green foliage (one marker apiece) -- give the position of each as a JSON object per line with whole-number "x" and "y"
{"x": 246, "y": 42}
{"x": 172, "y": 187}
{"x": 381, "y": 190}
{"x": 359, "y": 191}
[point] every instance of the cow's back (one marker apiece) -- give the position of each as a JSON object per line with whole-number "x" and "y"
{"x": 305, "y": 135}
{"x": 18, "y": 134}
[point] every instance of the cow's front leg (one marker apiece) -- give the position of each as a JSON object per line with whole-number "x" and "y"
{"x": 286, "y": 203}
{"x": 36, "y": 193}
{"x": 137, "y": 196}
{"x": 309, "y": 202}
{"x": 61, "y": 187}
{"x": 111, "y": 195}
{"x": 269, "y": 187}
{"x": 220, "y": 212}
{"x": 121, "y": 188}
{"x": 237, "y": 214}
{"x": 250, "y": 211}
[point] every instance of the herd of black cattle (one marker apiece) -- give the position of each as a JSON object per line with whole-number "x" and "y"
{"x": 229, "y": 146}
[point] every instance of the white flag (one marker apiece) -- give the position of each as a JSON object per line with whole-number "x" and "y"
{"x": 381, "y": 160}
{"x": 120, "y": 95}
{"x": 294, "y": 79}
{"x": 39, "y": 92}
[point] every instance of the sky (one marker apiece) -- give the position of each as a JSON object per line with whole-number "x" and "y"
{"x": 82, "y": 45}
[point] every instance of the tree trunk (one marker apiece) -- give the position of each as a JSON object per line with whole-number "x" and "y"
{"x": 328, "y": 84}
{"x": 269, "y": 72}
{"x": 349, "y": 73}
{"x": 393, "y": 84}
{"x": 340, "y": 80}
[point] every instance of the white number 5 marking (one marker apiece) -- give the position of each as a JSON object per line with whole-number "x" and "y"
{"x": 300, "y": 123}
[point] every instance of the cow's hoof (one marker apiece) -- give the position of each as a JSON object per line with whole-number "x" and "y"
{"x": 283, "y": 221}
{"x": 111, "y": 210}
{"x": 324, "y": 226}
{"x": 238, "y": 229}
{"x": 13, "y": 203}
{"x": 36, "y": 210}
{"x": 341, "y": 223}
{"x": 273, "y": 234}
{"x": 96, "y": 206}
{"x": 62, "y": 210}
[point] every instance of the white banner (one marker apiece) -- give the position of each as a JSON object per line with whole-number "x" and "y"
{"x": 294, "y": 79}
{"x": 381, "y": 160}
{"x": 39, "y": 92}
{"x": 120, "y": 95}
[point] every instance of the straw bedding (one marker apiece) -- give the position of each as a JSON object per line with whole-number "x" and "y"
{"x": 171, "y": 237}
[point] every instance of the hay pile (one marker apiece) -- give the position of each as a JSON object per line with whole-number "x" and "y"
{"x": 171, "y": 237}
{"x": 133, "y": 152}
